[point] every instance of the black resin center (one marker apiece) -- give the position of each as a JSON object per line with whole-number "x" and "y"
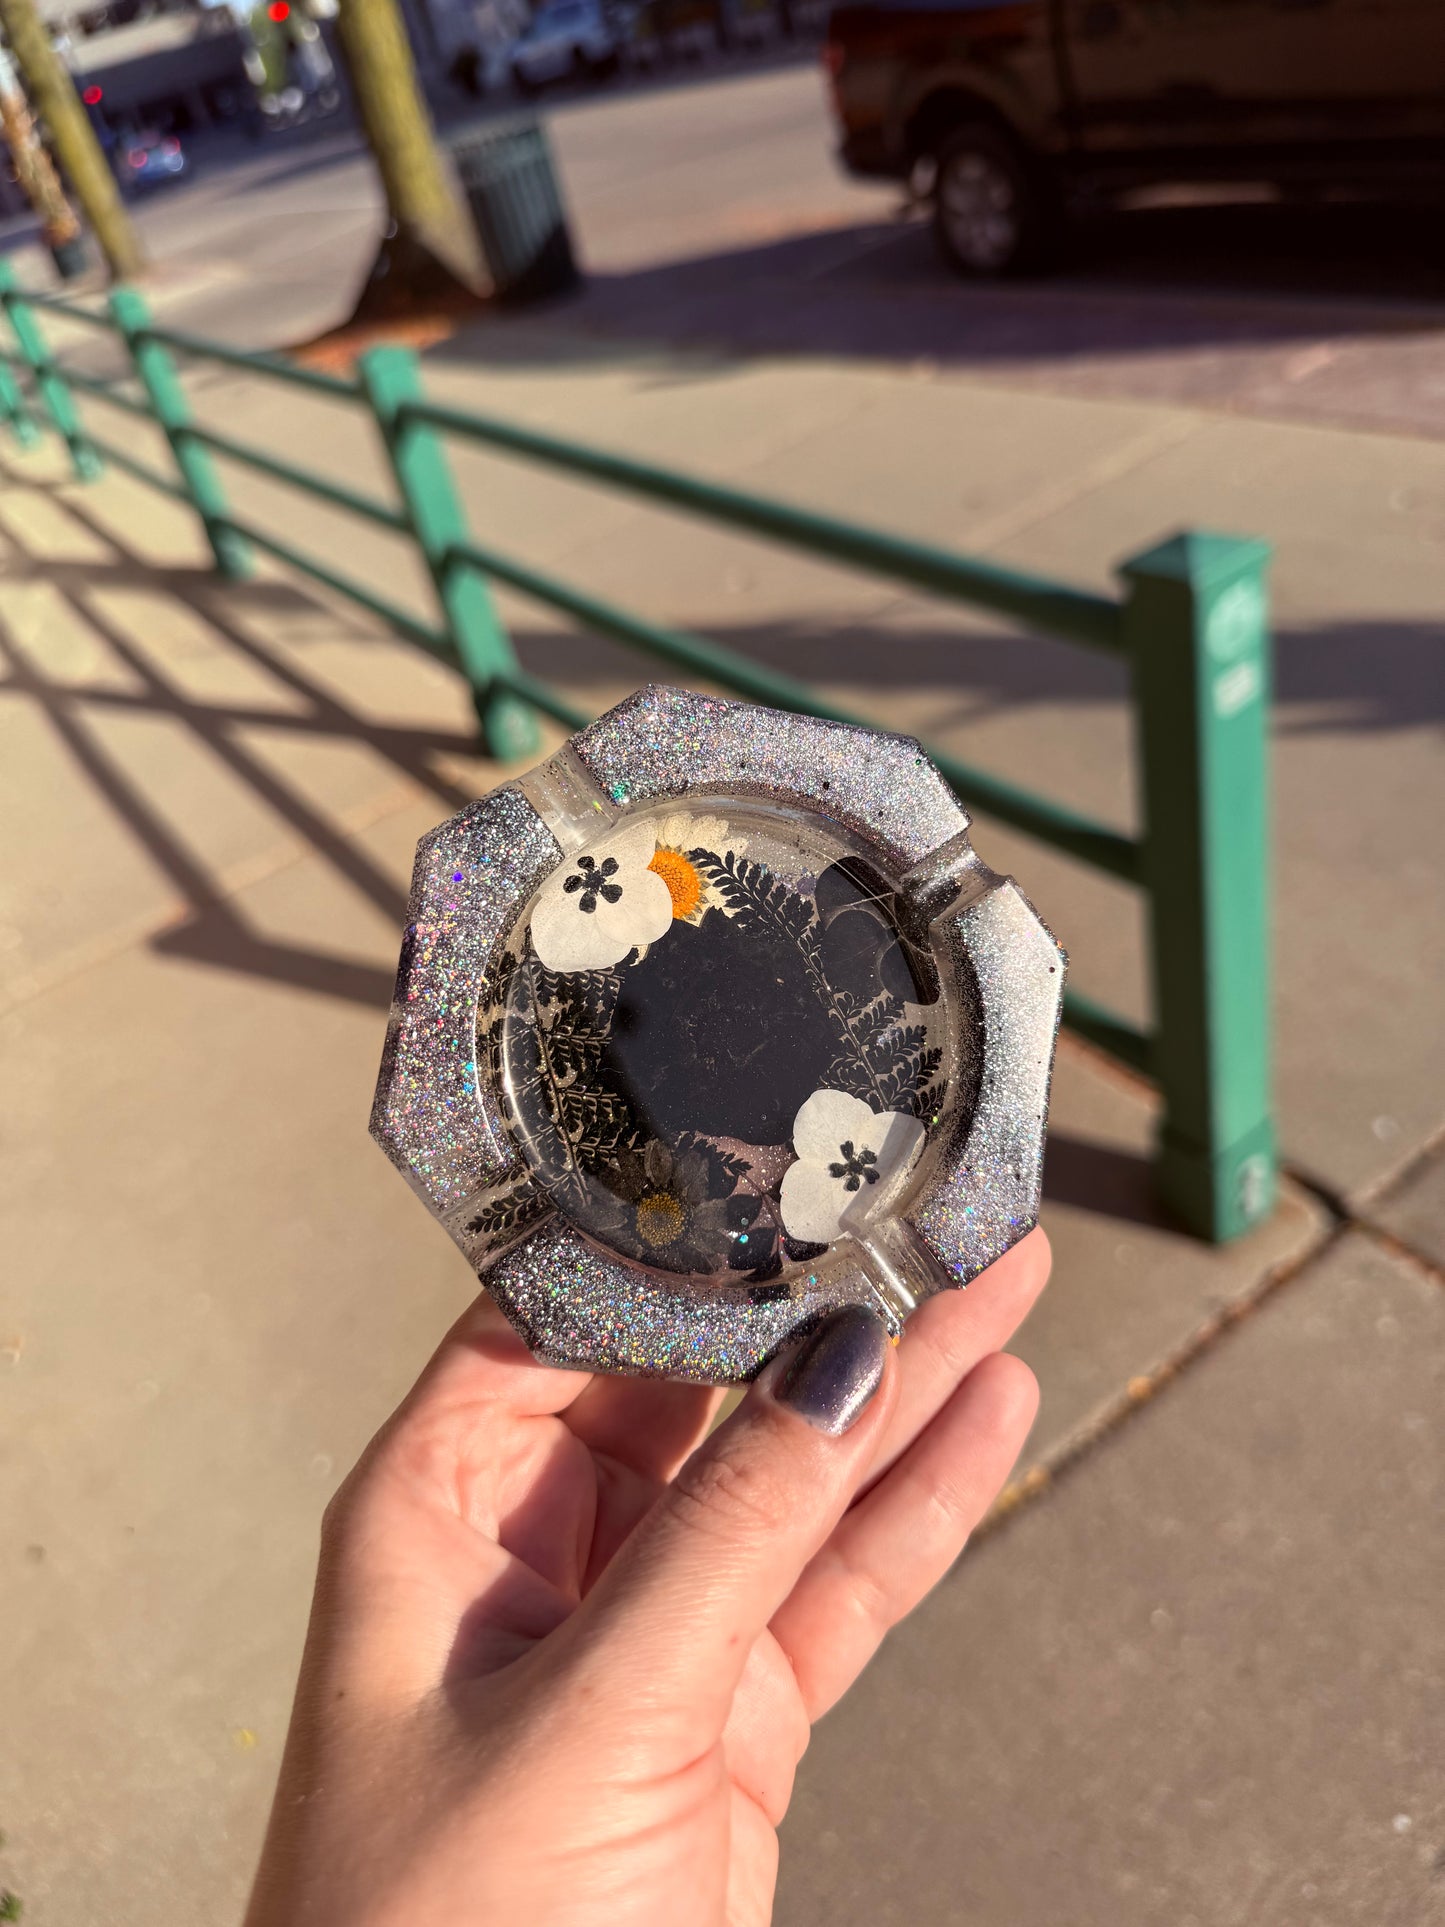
{"x": 656, "y": 1100}
{"x": 720, "y": 1030}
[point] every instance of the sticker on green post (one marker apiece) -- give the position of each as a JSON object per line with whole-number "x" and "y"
{"x": 1232, "y": 635}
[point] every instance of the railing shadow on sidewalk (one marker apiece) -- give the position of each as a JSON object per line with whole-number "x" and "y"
{"x": 1350, "y": 676}
{"x": 213, "y": 929}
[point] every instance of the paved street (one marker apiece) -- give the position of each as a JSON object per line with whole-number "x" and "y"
{"x": 1195, "y": 1673}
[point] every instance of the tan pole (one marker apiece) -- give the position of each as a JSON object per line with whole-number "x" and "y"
{"x": 419, "y": 194}
{"x": 52, "y": 95}
{"x": 33, "y": 167}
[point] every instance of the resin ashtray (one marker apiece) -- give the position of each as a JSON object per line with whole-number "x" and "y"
{"x": 714, "y": 1022}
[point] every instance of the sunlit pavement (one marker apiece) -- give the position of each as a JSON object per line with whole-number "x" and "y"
{"x": 1195, "y": 1672}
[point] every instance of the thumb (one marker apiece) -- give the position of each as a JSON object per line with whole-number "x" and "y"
{"x": 674, "y": 1616}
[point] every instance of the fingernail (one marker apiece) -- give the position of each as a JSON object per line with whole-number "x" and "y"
{"x": 836, "y": 1370}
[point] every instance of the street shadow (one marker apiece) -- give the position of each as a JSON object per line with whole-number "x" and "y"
{"x": 1359, "y": 676}
{"x": 1101, "y": 1179}
{"x": 1359, "y": 252}
{"x": 213, "y": 928}
{"x": 1356, "y": 677}
{"x": 1240, "y": 283}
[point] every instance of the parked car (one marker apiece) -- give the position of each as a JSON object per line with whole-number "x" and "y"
{"x": 570, "y": 39}
{"x": 148, "y": 159}
{"x": 1002, "y": 112}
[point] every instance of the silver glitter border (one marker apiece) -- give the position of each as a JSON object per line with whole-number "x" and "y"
{"x": 664, "y": 742}
{"x": 984, "y": 1195}
{"x": 433, "y": 1115}
{"x": 580, "y": 1306}
{"x": 441, "y": 1124}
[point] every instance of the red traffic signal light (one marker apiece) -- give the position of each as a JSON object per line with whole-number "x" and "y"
{"x": 278, "y": 11}
{"x": 93, "y": 96}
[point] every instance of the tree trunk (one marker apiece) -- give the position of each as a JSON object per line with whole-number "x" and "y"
{"x": 431, "y": 251}
{"x": 52, "y": 94}
{"x": 33, "y": 167}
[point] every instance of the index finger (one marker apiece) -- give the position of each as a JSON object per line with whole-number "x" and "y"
{"x": 484, "y": 1361}
{"x": 670, "y": 1623}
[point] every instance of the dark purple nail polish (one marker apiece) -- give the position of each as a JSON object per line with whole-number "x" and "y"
{"x": 835, "y": 1370}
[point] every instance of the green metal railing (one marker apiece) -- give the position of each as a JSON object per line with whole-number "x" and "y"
{"x": 1191, "y": 626}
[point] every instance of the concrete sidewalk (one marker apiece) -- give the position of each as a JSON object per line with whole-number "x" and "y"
{"x": 217, "y": 1288}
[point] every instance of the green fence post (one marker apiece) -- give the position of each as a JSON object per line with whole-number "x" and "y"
{"x": 391, "y": 378}
{"x": 1196, "y": 626}
{"x": 158, "y": 377}
{"x": 50, "y": 384}
{"x": 13, "y": 410}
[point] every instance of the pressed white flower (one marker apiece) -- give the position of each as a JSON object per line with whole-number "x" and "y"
{"x": 691, "y": 892}
{"x": 846, "y": 1150}
{"x": 595, "y": 908}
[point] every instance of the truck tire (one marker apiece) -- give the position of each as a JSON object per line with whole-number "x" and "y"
{"x": 992, "y": 214}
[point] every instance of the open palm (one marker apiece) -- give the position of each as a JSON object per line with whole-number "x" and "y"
{"x": 566, "y": 1649}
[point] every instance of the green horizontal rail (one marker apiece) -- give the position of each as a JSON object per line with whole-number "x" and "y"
{"x": 203, "y": 350}
{"x": 427, "y": 634}
{"x": 37, "y": 417}
{"x": 142, "y": 471}
{"x": 1088, "y": 842}
{"x": 106, "y": 391}
{"x": 278, "y": 365}
{"x": 1091, "y": 842}
{"x": 1090, "y": 619}
{"x": 518, "y": 683}
{"x": 57, "y": 304}
{"x": 1111, "y": 1033}
{"x": 92, "y": 384}
{"x": 195, "y": 345}
{"x": 305, "y": 479}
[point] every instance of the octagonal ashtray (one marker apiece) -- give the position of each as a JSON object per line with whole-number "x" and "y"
{"x": 713, "y": 1023}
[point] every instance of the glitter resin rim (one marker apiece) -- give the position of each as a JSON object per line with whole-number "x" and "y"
{"x": 440, "y": 1121}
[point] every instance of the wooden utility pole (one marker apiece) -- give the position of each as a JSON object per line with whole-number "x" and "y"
{"x": 433, "y": 247}
{"x": 52, "y": 95}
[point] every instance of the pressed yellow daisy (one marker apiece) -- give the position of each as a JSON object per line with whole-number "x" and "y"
{"x": 692, "y": 895}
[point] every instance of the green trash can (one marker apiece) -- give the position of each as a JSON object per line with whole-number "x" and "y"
{"x": 511, "y": 187}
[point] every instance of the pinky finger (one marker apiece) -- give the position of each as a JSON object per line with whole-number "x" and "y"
{"x": 897, "y": 1543}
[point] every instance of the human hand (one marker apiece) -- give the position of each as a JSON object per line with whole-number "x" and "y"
{"x": 564, "y": 1658}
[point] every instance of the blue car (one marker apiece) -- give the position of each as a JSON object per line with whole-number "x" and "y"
{"x": 149, "y": 160}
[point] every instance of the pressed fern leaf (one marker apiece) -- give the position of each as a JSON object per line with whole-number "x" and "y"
{"x": 510, "y": 1211}
{"x": 556, "y": 1025}
{"x": 881, "y": 1057}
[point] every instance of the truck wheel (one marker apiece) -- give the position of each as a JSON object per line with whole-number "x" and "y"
{"x": 991, "y": 215}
